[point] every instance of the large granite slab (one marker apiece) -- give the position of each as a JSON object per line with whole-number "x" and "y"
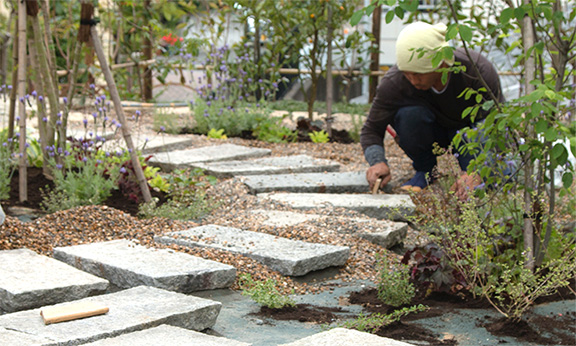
{"x": 324, "y": 182}
{"x": 167, "y": 335}
{"x": 127, "y": 264}
{"x": 289, "y": 257}
{"x": 130, "y": 310}
{"x": 268, "y": 165}
{"x": 385, "y": 233}
{"x": 169, "y": 161}
{"x": 29, "y": 280}
{"x": 381, "y": 206}
{"x": 346, "y": 337}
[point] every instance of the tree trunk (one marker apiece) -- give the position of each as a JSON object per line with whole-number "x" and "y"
{"x": 41, "y": 114}
{"x": 147, "y": 50}
{"x": 329, "y": 77}
{"x": 528, "y": 39}
{"x": 120, "y": 113}
{"x": 23, "y": 165}
{"x": 14, "y": 91}
{"x": 50, "y": 88}
{"x": 375, "y": 54}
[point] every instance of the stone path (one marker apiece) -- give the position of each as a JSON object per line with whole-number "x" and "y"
{"x": 149, "y": 296}
{"x": 286, "y": 256}
{"x": 29, "y": 280}
{"x": 126, "y": 265}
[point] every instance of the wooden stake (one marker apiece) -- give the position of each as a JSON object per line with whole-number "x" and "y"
{"x": 120, "y": 113}
{"x": 23, "y": 165}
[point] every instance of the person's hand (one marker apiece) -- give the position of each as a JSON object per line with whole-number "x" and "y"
{"x": 378, "y": 171}
{"x": 465, "y": 185}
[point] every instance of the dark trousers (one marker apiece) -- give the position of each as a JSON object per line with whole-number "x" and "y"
{"x": 417, "y": 129}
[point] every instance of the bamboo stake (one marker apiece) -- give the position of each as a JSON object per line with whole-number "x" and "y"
{"x": 120, "y": 113}
{"x": 22, "y": 167}
{"x": 49, "y": 83}
{"x": 35, "y": 66}
{"x": 13, "y": 92}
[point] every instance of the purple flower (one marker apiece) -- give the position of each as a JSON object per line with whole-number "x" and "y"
{"x": 59, "y": 114}
{"x": 65, "y": 100}
{"x": 85, "y": 121}
{"x": 44, "y": 119}
{"x": 34, "y": 93}
{"x": 40, "y": 98}
{"x": 84, "y": 159}
{"x": 92, "y": 86}
{"x": 138, "y": 113}
{"x": 162, "y": 129}
{"x": 22, "y": 99}
{"x": 122, "y": 170}
{"x": 95, "y": 115}
{"x": 58, "y": 122}
{"x": 58, "y": 166}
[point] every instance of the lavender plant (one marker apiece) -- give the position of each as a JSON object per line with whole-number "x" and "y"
{"x": 228, "y": 95}
{"x": 7, "y": 164}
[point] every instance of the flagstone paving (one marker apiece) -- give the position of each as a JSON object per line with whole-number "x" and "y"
{"x": 268, "y": 165}
{"x": 380, "y": 206}
{"x": 345, "y": 337}
{"x": 288, "y": 257}
{"x": 167, "y": 335}
{"x": 29, "y": 280}
{"x": 169, "y": 161}
{"x": 324, "y": 182}
{"x": 385, "y": 233}
{"x": 130, "y": 310}
{"x": 127, "y": 264}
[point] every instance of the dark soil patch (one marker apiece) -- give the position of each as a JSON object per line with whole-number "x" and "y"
{"x": 536, "y": 329}
{"x": 39, "y": 185}
{"x": 410, "y": 332}
{"x": 301, "y": 313}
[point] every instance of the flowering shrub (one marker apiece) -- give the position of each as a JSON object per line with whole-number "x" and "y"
{"x": 84, "y": 177}
{"x": 229, "y": 97}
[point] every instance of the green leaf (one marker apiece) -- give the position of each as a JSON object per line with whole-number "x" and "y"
{"x": 550, "y": 135}
{"x": 465, "y": 32}
{"x": 452, "y": 32}
{"x": 389, "y": 17}
{"x": 519, "y": 13}
{"x": 356, "y": 17}
{"x": 541, "y": 126}
{"x": 567, "y": 179}
{"x": 506, "y": 15}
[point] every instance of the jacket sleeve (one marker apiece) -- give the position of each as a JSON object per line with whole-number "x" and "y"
{"x": 381, "y": 114}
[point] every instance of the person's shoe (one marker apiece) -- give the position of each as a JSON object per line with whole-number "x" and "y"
{"x": 419, "y": 181}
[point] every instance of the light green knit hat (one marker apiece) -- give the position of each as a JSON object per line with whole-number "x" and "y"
{"x": 415, "y": 36}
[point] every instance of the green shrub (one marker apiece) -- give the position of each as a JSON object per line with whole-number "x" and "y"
{"x": 394, "y": 286}
{"x": 375, "y": 321}
{"x": 264, "y": 293}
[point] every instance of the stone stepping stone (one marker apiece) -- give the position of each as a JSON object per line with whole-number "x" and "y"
{"x": 127, "y": 264}
{"x": 11, "y": 337}
{"x": 269, "y": 165}
{"x": 289, "y": 257}
{"x": 130, "y": 310}
{"x": 159, "y": 335}
{"x": 169, "y": 161}
{"x": 382, "y": 206}
{"x": 346, "y": 337}
{"x": 332, "y": 182}
{"x": 29, "y": 280}
{"x": 385, "y": 233}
